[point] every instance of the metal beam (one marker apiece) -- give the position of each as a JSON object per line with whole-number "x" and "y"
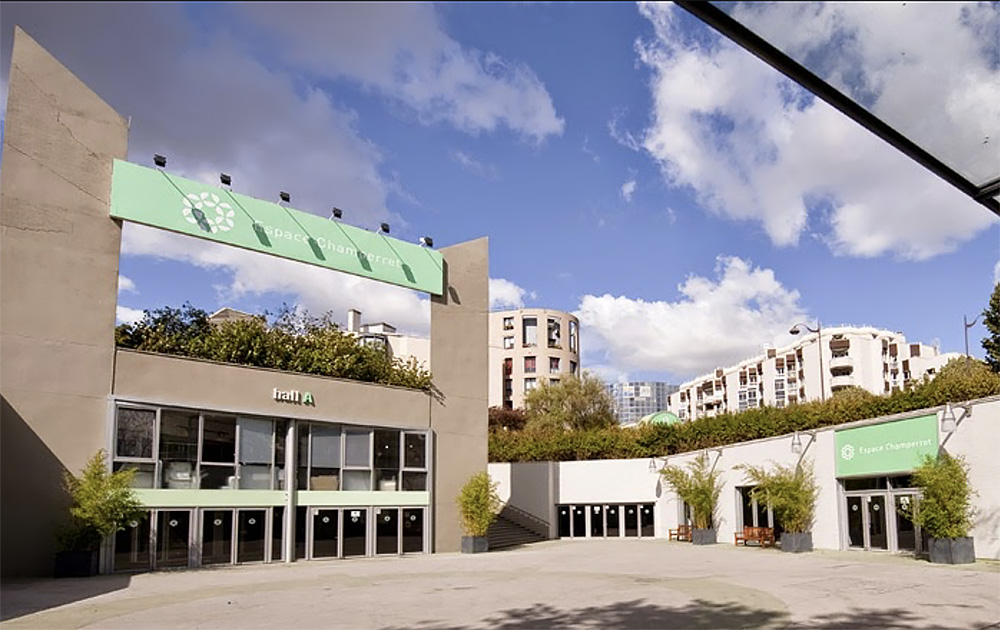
{"x": 761, "y": 48}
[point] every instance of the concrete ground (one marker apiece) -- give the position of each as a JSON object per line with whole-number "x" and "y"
{"x": 556, "y": 584}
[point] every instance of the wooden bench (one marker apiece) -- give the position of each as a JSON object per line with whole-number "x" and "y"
{"x": 683, "y": 532}
{"x": 763, "y": 536}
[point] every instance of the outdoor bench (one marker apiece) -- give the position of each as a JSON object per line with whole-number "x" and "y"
{"x": 683, "y": 532}
{"x": 763, "y": 536}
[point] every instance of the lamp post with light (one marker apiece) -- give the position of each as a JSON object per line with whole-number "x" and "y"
{"x": 796, "y": 329}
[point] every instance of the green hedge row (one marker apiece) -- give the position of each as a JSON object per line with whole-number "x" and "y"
{"x": 958, "y": 381}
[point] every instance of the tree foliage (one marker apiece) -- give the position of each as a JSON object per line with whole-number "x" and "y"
{"x": 698, "y": 486}
{"x": 958, "y": 381}
{"x": 478, "y": 504}
{"x": 573, "y": 403}
{"x": 503, "y": 419}
{"x": 945, "y": 508}
{"x": 790, "y": 491}
{"x": 103, "y": 502}
{"x": 991, "y": 319}
{"x": 292, "y": 341}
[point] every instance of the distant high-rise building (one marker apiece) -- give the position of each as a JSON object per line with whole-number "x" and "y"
{"x": 879, "y": 361}
{"x": 528, "y": 346}
{"x": 636, "y": 399}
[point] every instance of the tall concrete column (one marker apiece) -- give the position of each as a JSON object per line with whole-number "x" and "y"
{"x": 58, "y": 291}
{"x": 459, "y": 349}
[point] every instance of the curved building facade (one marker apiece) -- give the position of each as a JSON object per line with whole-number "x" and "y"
{"x": 529, "y": 346}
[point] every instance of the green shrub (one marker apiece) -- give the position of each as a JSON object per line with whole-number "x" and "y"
{"x": 790, "y": 491}
{"x": 945, "y": 509}
{"x": 698, "y": 486}
{"x": 478, "y": 504}
{"x": 103, "y": 502}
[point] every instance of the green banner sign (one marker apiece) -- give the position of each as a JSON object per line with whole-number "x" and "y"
{"x": 159, "y": 199}
{"x": 881, "y": 449}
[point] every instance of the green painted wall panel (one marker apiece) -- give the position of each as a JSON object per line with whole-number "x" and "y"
{"x": 209, "y": 498}
{"x": 333, "y": 498}
{"x": 891, "y": 447}
{"x": 158, "y": 199}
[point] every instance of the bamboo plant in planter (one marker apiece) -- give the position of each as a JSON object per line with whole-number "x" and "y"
{"x": 102, "y": 503}
{"x": 699, "y": 487}
{"x": 791, "y": 492}
{"x": 479, "y": 505}
{"x": 945, "y": 509}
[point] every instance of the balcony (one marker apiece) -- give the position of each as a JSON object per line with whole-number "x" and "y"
{"x": 842, "y": 362}
{"x": 841, "y": 380}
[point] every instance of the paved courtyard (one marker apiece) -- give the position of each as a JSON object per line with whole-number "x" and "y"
{"x": 567, "y": 584}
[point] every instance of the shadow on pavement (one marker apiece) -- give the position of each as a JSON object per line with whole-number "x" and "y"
{"x": 697, "y": 615}
{"x": 24, "y": 597}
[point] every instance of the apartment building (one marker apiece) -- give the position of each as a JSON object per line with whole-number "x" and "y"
{"x": 877, "y": 360}
{"x": 527, "y": 346}
{"x": 636, "y": 399}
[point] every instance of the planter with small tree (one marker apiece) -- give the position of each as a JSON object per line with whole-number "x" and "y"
{"x": 791, "y": 493}
{"x": 103, "y": 502}
{"x": 479, "y": 506}
{"x": 945, "y": 510}
{"x": 699, "y": 487}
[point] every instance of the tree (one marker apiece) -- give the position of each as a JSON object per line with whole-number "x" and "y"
{"x": 698, "y": 486}
{"x": 790, "y": 491}
{"x": 503, "y": 419}
{"x": 991, "y": 319}
{"x": 573, "y": 403}
{"x": 103, "y": 503}
{"x": 478, "y": 504}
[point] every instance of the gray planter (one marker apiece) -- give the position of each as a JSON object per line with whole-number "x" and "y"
{"x": 703, "y": 536}
{"x": 952, "y": 550}
{"x": 475, "y": 544}
{"x": 796, "y": 543}
{"x": 76, "y": 564}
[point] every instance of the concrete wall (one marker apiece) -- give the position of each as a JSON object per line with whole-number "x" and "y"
{"x": 155, "y": 378}
{"x": 458, "y": 357}
{"x": 977, "y": 439}
{"x": 58, "y": 289}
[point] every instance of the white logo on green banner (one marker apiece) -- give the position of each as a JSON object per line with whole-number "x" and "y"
{"x": 847, "y": 452}
{"x": 208, "y": 213}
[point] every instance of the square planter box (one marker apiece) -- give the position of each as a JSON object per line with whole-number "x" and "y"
{"x": 703, "y": 536}
{"x": 475, "y": 544}
{"x": 952, "y": 550}
{"x": 796, "y": 543}
{"x": 76, "y": 564}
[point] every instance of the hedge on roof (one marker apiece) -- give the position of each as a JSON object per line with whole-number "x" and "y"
{"x": 293, "y": 341}
{"x": 959, "y": 380}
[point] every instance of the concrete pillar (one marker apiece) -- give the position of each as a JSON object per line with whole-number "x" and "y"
{"x": 58, "y": 291}
{"x": 459, "y": 348}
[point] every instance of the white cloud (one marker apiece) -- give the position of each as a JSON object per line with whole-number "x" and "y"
{"x": 715, "y": 322}
{"x": 126, "y": 315}
{"x": 401, "y": 50}
{"x": 587, "y": 150}
{"x": 756, "y": 147}
{"x": 505, "y": 294}
{"x": 628, "y": 189}
{"x": 469, "y": 163}
{"x": 126, "y": 285}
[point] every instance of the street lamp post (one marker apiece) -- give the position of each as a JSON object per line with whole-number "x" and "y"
{"x": 819, "y": 342}
{"x": 968, "y": 325}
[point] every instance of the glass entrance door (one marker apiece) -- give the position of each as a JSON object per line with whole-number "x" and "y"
{"x": 324, "y": 533}
{"x": 867, "y": 523}
{"x": 173, "y": 538}
{"x": 906, "y": 532}
{"x": 355, "y": 532}
{"x": 877, "y": 537}
{"x": 250, "y": 536}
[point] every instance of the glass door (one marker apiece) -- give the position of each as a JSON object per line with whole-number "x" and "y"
{"x": 596, "y": 522}
{"x": 867, "y": 524}
{"x": 216, "y": 537}
{"x": 386, "y": 531}
{"x": 413, "y": 530}
{"x": 877, "y": 536}
{"x": 325, "y": 529}
{"x": 355, "y": 532}
{"x": 250, "y": 536}
{"x": 906, "y": 531}
{"x": 173, "y": 538}
{"x": 856, "y": 522}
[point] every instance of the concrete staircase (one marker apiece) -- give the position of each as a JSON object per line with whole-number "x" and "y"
{"x": 514, "y": 528}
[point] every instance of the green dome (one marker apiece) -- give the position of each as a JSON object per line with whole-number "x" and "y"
{"x": 660, "y": 417}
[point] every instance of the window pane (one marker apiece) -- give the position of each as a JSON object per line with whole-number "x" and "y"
{"x": 414, "y": 481}
{"x": 219, "y": 440}
{"x": 218, "y": 477}
{"x": 255, "y": 477}
{"x": 358, "y": 449}
{"x": 179, "y": 448}
{"x": 144, "y": 476}
{"x": 325, "y": 479}
{"x": 136, "y": 428}
{"x": 415, "y": 455}
{"x": 357, "y": 480}
{"x": 256, "y": 441}
{"x": 326, "y": 446}
{"x": 388, "y": 479}
{"x": 387, "y": 449}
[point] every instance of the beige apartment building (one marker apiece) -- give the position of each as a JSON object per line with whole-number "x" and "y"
{"x": 877, "y": 360}
{"x": 527, "y": 346}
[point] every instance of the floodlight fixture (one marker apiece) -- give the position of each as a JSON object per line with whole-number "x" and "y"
{"x": 226, "y": 179}
{"x": 284, "y": 196}
{"x": 159, "y": 160}
{"x": 426, "y": 241}
{"x": 336, "y": 213}
{"x": 383, "y": 228}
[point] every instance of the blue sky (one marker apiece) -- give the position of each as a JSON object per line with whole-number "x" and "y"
{"x": 626, "y": 163}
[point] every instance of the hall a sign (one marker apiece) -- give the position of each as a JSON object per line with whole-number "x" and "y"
{"x": 293, "y": 396}
{"x": 161, "y": 200}
{"x": 891, "y": 447}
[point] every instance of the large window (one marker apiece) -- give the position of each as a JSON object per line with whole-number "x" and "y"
{"x": 529, "y": 365}
{"x": 573, "y": 336}
{"x": 529, "y": 326}
{"x": 554, "y": 332}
